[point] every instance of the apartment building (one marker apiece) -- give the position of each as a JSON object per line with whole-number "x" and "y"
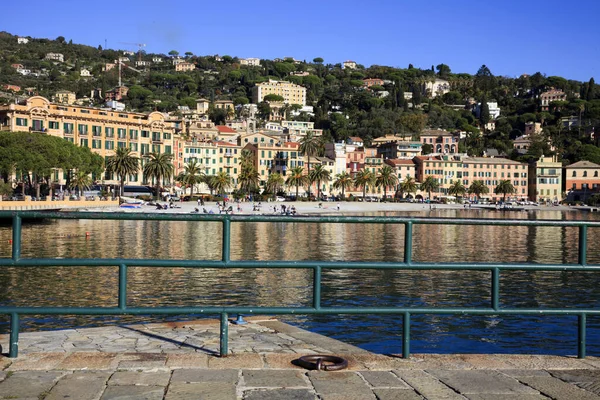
{"x": 545, "y": 180}
{"x": 442, "y": 142}
{"x": 101, "y": 130}
{"x": 55, "y": 57}
{"x": 551, "y": 96}
{"x": 295, "y": 130}
{"x": 402, "y": 168}
{"x": 582, "y": 180}
{"x": 400, "y": 149}
{"x": 214, "y": 157}
{"x": 252, "y": 62}
{"x": 184, "y": 67}
{"x": 291, "y": 93}
{"x": 65, "y": 97}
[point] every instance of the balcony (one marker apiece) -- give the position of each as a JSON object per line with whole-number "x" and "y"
{"x": 228, "y": 154}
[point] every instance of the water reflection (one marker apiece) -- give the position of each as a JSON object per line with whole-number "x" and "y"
{"x": 70, "y": 286}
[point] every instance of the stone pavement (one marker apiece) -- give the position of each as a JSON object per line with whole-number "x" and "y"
{"x": 178, "y": 361}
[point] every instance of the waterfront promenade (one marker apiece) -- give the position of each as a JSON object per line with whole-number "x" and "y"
{"x": 179, "y": 360}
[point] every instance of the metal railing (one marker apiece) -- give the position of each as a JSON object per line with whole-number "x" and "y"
{"x": 316, "y": 266}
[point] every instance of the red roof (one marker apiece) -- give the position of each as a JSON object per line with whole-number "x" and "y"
{"x": 396, "y": 161}
{"x": 291, "y": 144}
{"x": 222, "y": 143}
{"x": 225, "y": 129}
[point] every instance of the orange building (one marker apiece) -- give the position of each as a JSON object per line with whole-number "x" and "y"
{"x": 582, "y": 180}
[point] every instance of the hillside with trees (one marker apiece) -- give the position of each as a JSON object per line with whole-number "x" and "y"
{"x": 343, "y": 106}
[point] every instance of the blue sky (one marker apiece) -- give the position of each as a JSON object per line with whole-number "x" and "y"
{"x": 511, "y": 37}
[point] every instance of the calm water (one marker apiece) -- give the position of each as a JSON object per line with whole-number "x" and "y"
{"x": 262, "y": 241}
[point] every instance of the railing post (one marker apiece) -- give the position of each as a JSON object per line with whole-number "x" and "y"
{"x": 13, "y": 350}
{"x": 581, "y": 343}
{"x": 226, "y": 253}
{"x": 122, "y": 287}
{"x": 223, "y": 344}
{"x": 406, "y": 335}
{"x": 408, "y": 242}
{"x": 16, "y": 238}
{"x": 495, "y": 288}
{"x": 583, "y": 245}
{"x": 317, "y": 287}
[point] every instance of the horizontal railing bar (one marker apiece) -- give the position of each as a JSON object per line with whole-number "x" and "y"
{"x": 278, "y": 218}
{"x": 289, "y": 310}
{"x": 168, "y": 263}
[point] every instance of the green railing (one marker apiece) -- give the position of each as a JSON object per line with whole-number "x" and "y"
{"x": 317, "y": 267}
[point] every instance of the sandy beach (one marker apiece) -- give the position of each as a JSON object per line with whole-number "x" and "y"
{"x": 313, "y": 208}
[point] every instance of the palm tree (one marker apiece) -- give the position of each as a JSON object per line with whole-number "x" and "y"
{"x": 386, "y": 178}
{"x": 343, "y": 181}
{"x": 478, "y": 188}
{"x": 221, "y": 182}
{"x": 81, "y": 181}
{"x": 408, "y": 185}
{"x": 123, "y": 163}
{"x": 310, "y": 146}
{"x": 193, "y": 175}
{"x": 364, "y": 178}
{"x": 429, "y": 185}
{"x": 296, "y": 178}
{"x": 457, "y": 188}
{"x": 504, "y": 187}
{"x": 274, "y": 183}
{"x": 158, "y": 167}
{"x": 318, "y": 174}
{"x": 249, "y": 179}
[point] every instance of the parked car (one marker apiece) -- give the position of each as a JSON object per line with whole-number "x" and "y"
{"x": 279, "y": 198}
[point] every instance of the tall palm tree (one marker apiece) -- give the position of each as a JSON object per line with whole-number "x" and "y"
{"x": 457, "y": 188}
{"x": 249, "y": 179}
{"x": 193, "y": 175}
{"x": 296, "y": 178}
{"x": 504, "y": 187}
{"x": 318, "y": 174}
{"x": 408, "y": 185}
{"x": 310, "y": 146}
{"x": 221, "y": 182}
{"x": 274, "y": 183}
{"x": 123, "y": 163}
{"x": 343, "y": 181}
{"x": 81, "y": 181}
{"x": 158, "y": 167}
{"x": 386, "y": 178}
{"x": 429, "y": 185}
{"x": 478, "y": 188}
{"x": 364, "y": 178}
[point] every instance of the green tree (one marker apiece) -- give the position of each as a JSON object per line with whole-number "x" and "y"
{"x": 81, "y": 181}
{"x": 386, "y": 178}
{"x": 443, "y": 70}
{"x": 363, "y": 179}
{"x": 504, "y": 187}
{"x": 123, "y": 163}
{"x": 591, "y": 92}
{"x": 274, "y": 183}
{"x": 273, "y": 98}
{"x": 221, "y": 182}
{"x": 319, "y": 174}
{"x": 429, "y": 185}
{"x": 478, "y": 188}
{"x": 310, "y": 145}
{"x": 484, "y": 112}
{"x": 158, "y": 167}
{"x": 192, "y": 174}
{"x": 296, "y": 178}
{"x": 408, "y": 185}
{"x": 343, "y": 181}
{"x": 457, "y": 189}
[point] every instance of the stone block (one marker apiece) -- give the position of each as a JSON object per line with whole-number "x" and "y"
{"x": 397, "y": 394}
{"x": 340, "y": 385}
{"x": 80, "y": 385}
{"x": 198, "y": 376}
{"x": 29, "y": 384}
{"x": 383, "y": 379}
{"x": 557, "y": 389}
{"x": 204, "y": 391}
{"x": 37, "y": 362}
{"x": 89, "y": 360}
{"x": 143, "y": 378}
{"x": 187, "y": 360}
{"x": 274, "y": 378}
{"x": 481, "y": 382}
{"x": 133, "y": 393}
{"x": 279, "y": 394}
{"x": 427, "y": 385}
{"x": 244, "y": 360}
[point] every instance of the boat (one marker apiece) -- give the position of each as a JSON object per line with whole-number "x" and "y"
{"x": 131, "y": 205}
{"x": 131, "y": 200}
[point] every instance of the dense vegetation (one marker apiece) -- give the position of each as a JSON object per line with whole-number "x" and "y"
{"x": 342, "y": 106}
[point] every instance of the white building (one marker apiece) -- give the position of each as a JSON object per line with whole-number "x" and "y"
{"x": 349, "y": 64}
{"x": 24, "y": 71}
{"x": 437, "y": 87}
{"x": 252, "y": 62}
{"x": 55, "y": 57}
{"x": 157, "y": 59}
{"x": 128, "y": 53}
{"x": 492, "y": 106}
{"x": 115, "y": 105}
{"x": 142, "y": 63}
{"x": 22, "y": 40}
{"x": 85, "y": 73}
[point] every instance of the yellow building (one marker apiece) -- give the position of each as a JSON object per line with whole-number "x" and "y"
{"x": 184, "y": 67}
{"x": 101, "y": 130}
{"x": 545, "y": 180}
{"x": 291, "y": 93}
{"x": 65, "y": 97}
{"x": 214, "y": 157}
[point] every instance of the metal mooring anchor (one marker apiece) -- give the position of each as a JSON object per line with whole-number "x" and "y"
{"x": 323, "y": 363}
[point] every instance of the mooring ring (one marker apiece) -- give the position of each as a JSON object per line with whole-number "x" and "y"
{"x": 318, "y": 362}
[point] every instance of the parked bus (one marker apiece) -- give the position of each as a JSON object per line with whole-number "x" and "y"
{"x": 136, "y": 191}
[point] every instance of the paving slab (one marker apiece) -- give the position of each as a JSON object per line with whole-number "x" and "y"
{"x": 557, "y": 389}
{"x": 37, "y": 362}
{"x": 274, "y": 378}
{"x": 481, "y": 382}
{"x": 80, "y": 385}
{"x": 515, "y": 373}
{"x": 91, "y": 361}
{"x": 143, "y": 378}
{"x": 577, "y": 375}
{"x": 279, "y": 394}
{"x": 133, "y": 393}
{"x": 519, "y": 396}
{"x": 397, "y": 394}
{"x": 340, "y": 385}
{"x": 29, "y": 383}
{"x": 142, "y": 361}
{"x": 4, "y": 362}
{"x": 427, "y": 385}
{"x": 244, "y": 360}
{"x": 189, "y": 360}
{"x": 2, "y": 375}
{"x": 383, "y": 379}
{"x": 198, "y": 376}
{"x": 203, "y": 390}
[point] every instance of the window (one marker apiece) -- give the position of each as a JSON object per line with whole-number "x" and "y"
{"x": 584, "y": 174}
{"x": 83, "y": 142}
{"x": 110, "y": 132}
{"x": 133, "y": 146}
{"x": 121, "y": 133}
{"x": 168, "y": 149}
{"x": 145, "y": 134}
{"x": 595, "y": 174}
{"x": 133, "y": 134}
{"x": 68, "y": 128}
{"x": 53, "y": 124}
{"x": 574, "y": 174}
{"x": 96, "y": 144}
{"x": 96, "y": 130}
{"x": 109, "y": 145}
{"x": 82, "y": 129}
{"x": 21, "y": 122}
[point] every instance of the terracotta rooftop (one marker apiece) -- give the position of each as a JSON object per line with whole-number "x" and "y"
{"x": 225, "y": 129}
{"x": 583, "y": 164}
